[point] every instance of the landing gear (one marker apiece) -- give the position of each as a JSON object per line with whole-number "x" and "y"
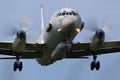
{"x": 68, "y": 48}
{"x": 94, "y": 63}
{"x": 17, "y": 64}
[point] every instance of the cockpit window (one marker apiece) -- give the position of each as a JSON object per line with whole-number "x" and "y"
{"x": 67, "y": 13}
{"x": 73, "y": 12}
{"x": 59, "y": 14}
{"x": 70, "y": 13}
{"x": 63, "y": 13}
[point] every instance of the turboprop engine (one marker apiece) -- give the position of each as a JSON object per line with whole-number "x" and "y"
{"x": 98, "y": 40}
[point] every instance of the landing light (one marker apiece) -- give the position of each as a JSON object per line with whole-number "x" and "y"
{"x": 78, "y": 30}
{"x": 42, "y": 41}
{"x": 59, "y": 29}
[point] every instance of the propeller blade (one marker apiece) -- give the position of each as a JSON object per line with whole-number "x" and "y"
{"x": 91, "y": 24}
{"x": 32, "y": 35}
{"x": 107, "y": 25}
{"x": 9, "y": 30}
{"x": 25, "y": 22}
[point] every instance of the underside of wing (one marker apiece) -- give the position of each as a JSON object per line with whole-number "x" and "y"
{"x": 82, "y": 50}
{"x": 33, "y": 50}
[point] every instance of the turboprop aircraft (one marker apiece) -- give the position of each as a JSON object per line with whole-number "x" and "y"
{"x": 56, "y": 42}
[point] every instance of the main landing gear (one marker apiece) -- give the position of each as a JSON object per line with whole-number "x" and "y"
{"x": 17, "y": 64}
{"x": 94, "y": 63}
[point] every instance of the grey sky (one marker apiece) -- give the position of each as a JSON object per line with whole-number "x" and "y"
{"x": 104, "y": 10}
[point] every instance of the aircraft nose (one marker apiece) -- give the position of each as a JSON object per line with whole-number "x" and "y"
{"x": 71, "y": 21}
{"x": 68, "y": 22}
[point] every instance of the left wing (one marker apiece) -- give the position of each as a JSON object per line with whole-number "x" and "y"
{"x": 82, "y": 50}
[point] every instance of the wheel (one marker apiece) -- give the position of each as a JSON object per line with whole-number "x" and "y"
{"x": 20, "y": 66}
{"x": 15, "y": 66}
{"x": 97, "y": 65}
{"x": 92, "y": 65}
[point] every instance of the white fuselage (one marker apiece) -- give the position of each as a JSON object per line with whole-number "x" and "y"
{"x": 63, "y": 26}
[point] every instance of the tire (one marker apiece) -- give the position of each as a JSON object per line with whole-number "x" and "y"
{"x": 20, "y": 66}
{"x": 15, "y": 66}
{"x": 92, "y": 65}
{"x": 97, "y": 65}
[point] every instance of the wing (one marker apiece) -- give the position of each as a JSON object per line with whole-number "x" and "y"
{"x": 82, "y": 50}
{"x": 33, "y": 50}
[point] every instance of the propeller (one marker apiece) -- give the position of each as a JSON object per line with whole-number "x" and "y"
{"x": 10, "y": 30}
{"x": 92, "y": 27}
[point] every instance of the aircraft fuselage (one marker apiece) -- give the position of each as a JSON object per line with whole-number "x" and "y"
{"x": 62, "y": 28}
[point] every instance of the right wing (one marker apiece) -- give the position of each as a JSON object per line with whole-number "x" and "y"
{"x": 33, "y": 50}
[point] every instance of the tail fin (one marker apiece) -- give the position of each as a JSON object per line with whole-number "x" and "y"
{"x": 42, "y": 18}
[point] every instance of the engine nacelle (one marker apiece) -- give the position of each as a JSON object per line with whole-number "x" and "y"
{"x": 98, "y": 40}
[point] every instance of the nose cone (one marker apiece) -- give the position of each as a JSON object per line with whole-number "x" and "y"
{"x": 21, "y": 34}
{"x": 68, "y": 23}
{"x": 100, "y": 33}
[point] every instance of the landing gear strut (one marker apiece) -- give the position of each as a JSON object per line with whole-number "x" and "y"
{"x": 17, "y": 64}
{"x": 68, "y": 48}
{"x": 94, "y": 63}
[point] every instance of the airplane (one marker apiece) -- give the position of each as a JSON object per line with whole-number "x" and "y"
{"x": 56, "y": 42}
